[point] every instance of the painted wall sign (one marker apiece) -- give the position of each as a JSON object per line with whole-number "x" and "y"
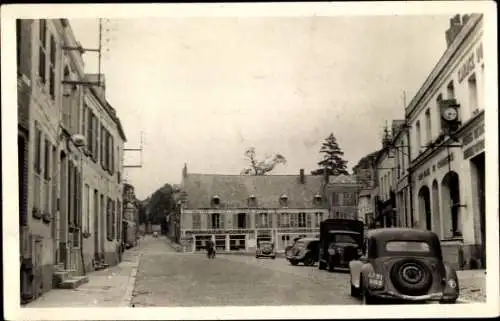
{"x": 469, "y": 64}
{"x": 443, "y": 162}
{"x": 474, "y": 141}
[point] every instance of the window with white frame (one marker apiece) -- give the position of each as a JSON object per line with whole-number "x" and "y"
{"x": 284, "y": 219}
{"x": 302, "y": 220}
{"x": 196, "y": 221}
{"x": 42, "y": 50}
{"x": 450, "y": 90}
{"x": 52, "y": 67}
{"x": 264, "y": 220}
{"x": 472, "y": 85}
{"x": 428, "y": 127}
{"x": 319, "y": 218}
{"x": 86, "y": 212}
{"x": 418, "y": 138}
{"x": 216, "y": 221}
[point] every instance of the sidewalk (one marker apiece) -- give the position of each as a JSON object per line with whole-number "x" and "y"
{"x": 111, "y": 287}
{"x": 472, "y": 285}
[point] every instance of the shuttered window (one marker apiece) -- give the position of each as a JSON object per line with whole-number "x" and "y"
{"x": 52, "y": 67}
{"x": 42, "y": 50}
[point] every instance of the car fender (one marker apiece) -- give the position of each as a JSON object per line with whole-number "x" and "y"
{"x": 451, "y": 274}
{"x": 355, "y": 271}
{"x": 366, "y": 268}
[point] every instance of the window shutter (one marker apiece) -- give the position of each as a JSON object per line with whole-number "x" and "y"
{"x": 278, "y": 220}
{"x": 269, "y": 220}
{"x": 248, "y": 220}
{"x": 222, "y": 219}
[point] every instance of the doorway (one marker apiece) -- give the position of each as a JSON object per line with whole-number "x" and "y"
{"x": 424, "y": 206}
{"x": 478, "y": 166}
{"x": 96, "y": 223}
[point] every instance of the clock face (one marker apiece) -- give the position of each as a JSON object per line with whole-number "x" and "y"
{"x": 450, "y": 113}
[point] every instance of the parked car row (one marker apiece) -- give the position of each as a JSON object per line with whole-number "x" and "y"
{"x": 396, "y": 264}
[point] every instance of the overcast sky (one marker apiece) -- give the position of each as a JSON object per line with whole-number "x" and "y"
{"x": 202, "y": 90}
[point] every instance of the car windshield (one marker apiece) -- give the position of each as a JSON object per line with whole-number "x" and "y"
{"x": 407, "y": 246}
{"x": 343, "y": 238}
{"x": 300, "y": 244}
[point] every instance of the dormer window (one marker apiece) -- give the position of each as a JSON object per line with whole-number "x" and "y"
{"x": 284, "y": 200}
{"x": 252, "y": 201}
{"x": 215, "y": 200}
{"x": 317, "y": 198}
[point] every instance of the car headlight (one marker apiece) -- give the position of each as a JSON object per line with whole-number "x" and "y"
{"x": 452, "y": 283}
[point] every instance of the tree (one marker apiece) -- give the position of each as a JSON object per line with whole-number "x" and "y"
{"x": 259, "y": 168}
{"x": 332, "y": 161}
{"x": 160, "y": 204}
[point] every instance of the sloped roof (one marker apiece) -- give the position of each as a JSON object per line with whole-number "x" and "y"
{"x": 342, "y": 179}
{"x": 234, "y": 190}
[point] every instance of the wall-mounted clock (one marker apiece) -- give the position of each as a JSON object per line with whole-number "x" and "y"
{"x": 450, "y": 114}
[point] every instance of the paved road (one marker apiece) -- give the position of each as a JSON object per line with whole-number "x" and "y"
{"x": 167, "y": 278}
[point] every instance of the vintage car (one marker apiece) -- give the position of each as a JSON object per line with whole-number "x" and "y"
{"x": 265, "y": 249}
{"x": 402, "y": 264}
{"x": 305, "y": 250}
{"x": 344, "y": 247}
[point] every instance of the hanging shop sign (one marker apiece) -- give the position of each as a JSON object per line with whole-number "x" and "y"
{"x": 473, "y": 141}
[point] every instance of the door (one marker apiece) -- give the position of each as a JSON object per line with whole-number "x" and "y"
{"x": 96, "y": 223}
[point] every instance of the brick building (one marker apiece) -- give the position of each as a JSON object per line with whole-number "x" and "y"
{"x": 237, "y": 211}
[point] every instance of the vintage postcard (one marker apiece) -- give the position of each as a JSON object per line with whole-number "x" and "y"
{"x": 250, "y": 161}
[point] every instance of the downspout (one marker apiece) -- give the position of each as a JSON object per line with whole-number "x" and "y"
{"x": 410, "y": 188}
{"x": 81, "y": 212}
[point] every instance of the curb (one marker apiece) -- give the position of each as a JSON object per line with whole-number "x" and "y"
{"x": 127, "y": 298}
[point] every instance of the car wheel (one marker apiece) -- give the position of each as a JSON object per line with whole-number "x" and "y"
{"x": 411, "y": 277}
{"x": 321, "y": 265}
{"x": 274, "y": 257}
{"x": 293, "y": 262}
{"x": 331, "y": 267}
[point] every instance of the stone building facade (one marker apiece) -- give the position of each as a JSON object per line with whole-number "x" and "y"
{"x": 448, "y": 168}
{"x": 54, "y": 209}
{"x": 342, "y": 193}
{"x": 238, "y": 211}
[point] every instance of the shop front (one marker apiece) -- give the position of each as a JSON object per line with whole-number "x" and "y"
{"x": 474, "y": 162}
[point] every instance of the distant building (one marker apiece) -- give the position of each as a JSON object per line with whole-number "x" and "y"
{"x": 366, "y": 174}
{"x": 238, "y": 211}
{"x": 342, "y": 196}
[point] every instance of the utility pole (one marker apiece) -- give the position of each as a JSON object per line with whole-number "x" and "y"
{"x": 410, "y": 188}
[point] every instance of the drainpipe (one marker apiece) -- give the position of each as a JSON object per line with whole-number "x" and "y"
{"x": 81, "y": 212}
{"x": 409, "y": 171}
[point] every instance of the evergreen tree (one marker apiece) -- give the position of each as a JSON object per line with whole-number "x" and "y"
{"x": 332, "y": 161}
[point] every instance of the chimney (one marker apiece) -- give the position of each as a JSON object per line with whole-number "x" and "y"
{"x": 455, "y": 27}
{"x": 302, "y": 176}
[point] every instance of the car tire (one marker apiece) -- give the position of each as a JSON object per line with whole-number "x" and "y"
{"x": 293, "y": 262}
{"x": 321, "y": 265}
{"x": 274, "y": 257}
{"x": 331, "y": 268}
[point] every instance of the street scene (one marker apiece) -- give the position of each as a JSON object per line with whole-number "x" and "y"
{"x": 253, "y": 161}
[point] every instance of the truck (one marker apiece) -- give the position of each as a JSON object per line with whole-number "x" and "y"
{"x": 340, "y": 241}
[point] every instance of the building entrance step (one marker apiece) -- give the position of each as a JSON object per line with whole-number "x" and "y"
{"x": 74, "y": 282}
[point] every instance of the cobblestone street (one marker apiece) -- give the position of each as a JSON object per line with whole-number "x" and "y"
{"x": 177, "y": 279}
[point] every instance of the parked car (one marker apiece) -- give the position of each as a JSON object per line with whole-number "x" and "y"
{"x": 340, "y": 242}
{"x": 402, "y": 264}
{"x": 265, "y": 249}
{"x": 305, "y": 250}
